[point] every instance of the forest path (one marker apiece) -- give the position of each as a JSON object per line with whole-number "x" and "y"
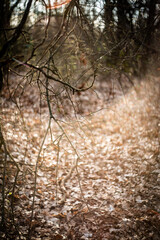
{"x": 113, "y": 191}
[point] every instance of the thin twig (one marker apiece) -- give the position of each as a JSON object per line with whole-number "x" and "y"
{"x": 35, "y": 179}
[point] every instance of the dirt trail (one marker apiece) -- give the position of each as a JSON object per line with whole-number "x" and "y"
{"x": 114, "y": 190}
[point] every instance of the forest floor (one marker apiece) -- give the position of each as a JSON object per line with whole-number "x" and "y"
{"x": 93, "y": 177}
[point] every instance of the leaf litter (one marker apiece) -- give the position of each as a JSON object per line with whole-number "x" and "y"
{"x": 112, "y": 193}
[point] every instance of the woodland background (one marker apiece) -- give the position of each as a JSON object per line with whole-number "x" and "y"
{"x": 79, "y": 119}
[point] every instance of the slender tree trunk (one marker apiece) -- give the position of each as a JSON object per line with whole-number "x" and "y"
{"x": 108, "y": 13}
{"x": 123, "y": 25}
{"x": 149, "y": 39}
{"x": 150, "y": 22}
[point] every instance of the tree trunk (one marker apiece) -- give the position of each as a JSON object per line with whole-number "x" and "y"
{"x": 123, "y": 25}
{"x": 108, "y": 14}
{"x": 149, "y": 39}
{"x": 150, "y": 22}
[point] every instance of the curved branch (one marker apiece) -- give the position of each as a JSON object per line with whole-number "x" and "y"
{"x": 17, "y": 31}
{"x": 60, "y": 81}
